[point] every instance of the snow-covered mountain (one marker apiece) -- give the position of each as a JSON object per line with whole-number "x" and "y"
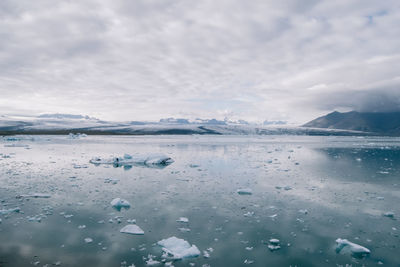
{"x": 66, "y": 123}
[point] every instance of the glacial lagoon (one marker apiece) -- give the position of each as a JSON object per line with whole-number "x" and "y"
{"x": 239, "y": 200}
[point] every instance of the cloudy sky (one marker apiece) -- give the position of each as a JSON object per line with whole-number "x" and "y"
{"x": 146, "y": 59}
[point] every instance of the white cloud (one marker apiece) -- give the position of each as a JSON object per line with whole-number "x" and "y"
{"x": 144, "y": 60}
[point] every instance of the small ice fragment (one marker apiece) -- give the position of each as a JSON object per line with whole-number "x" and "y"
{"x": 184, "y": 230}
{"x": 151, "y": 261}
{"x": 176, "y": 248}
{"x": 355, "y": 249}
{"x": 274, "y": 244}
{"x": 206, "y": 254}
{"x": 183, "y": 220}
{"x": 246, "y": 261}
{"x": 249, "y": 248}
{"x": 304, "y": 211}
{"x": 287, "y": 188}
{"x": 244, "y": 191}
{"x": 119, "y": 203}
{"x": 389, "y": 214}
{"x": 132, "y": 229}
{"x": 380, "y": 198}
{"x": 82, "y": 226}
{"x": 249, "y": 214}
{"x": 88, "y": 240}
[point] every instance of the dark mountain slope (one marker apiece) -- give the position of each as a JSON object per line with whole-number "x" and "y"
{"x": 381, "y": 123}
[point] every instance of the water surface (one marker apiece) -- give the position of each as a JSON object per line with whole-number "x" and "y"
{"x": 306, "y": 192}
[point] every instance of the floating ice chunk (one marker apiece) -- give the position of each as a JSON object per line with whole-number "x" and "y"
{"x": 274, "y": 244}
{"x": 158, "y": 159}
{"x": 245, "y": 191}
{"x": 176, "y": 248}
{"x": 249, "y": 214}
{"x": 246, "y": 261}
{"x": 132, "y": 229}
{"x": 355, "y": 249}
{"x": 151, "y": 261}
{"x": 389, "y": 214}
{"x": 304, "y": 211}
{"x": 206, "y": 254}
{"x": 155, "y": 159}
{"x": 5, "y": 212}
{"x": 183, "y": 220}
{"x": 88, "y": 240}
{"x": 119, "y": 203}
{"x": 34, "y": 195}
{"x": 184, "y": 230}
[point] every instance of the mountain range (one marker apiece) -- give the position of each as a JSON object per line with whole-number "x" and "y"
{"x": 335, "y": 123}
{"x": 387, "y": 123}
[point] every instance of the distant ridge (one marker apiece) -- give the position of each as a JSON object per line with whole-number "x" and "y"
{"x": 387, "y": 123}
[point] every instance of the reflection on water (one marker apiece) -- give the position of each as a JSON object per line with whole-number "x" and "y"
{"x": 306, "y": 192}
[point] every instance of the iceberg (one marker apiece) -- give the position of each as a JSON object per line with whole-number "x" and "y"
{"x": 119, "y": 203}
{"x": 154, "y": 160}
{"x": 355, "y": 249}
{"x": 176, "y": 248}
{"x": 132, "y": 229}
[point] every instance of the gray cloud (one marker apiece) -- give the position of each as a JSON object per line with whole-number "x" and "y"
{"x": 149, "y": 59}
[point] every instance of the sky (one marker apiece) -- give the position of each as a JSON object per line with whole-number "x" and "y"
{"x": 253, "y": 60}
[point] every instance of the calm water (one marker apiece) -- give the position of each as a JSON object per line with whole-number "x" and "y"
{"x": 306, "y": 192}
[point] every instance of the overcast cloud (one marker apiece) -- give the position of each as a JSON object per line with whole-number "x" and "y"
{"x": 146, "y": 60}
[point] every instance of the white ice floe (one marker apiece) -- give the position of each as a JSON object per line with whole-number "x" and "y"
{"x": 343, "y": 245}
{"x": 274, "y": 244}
{"x": 244, "y": 191}
{"x": 246, "y": 261}
{"x": 183, "y": 220}
{"x": 88, "y": 240}
{"x": 176, "y": 248}
{"x": 151, "y": 260}
{"x": 154, "y": 159}
{"x": 132, "y": 229}
{"x": 119, "y": 203}
{"x": 5, "y": 212}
